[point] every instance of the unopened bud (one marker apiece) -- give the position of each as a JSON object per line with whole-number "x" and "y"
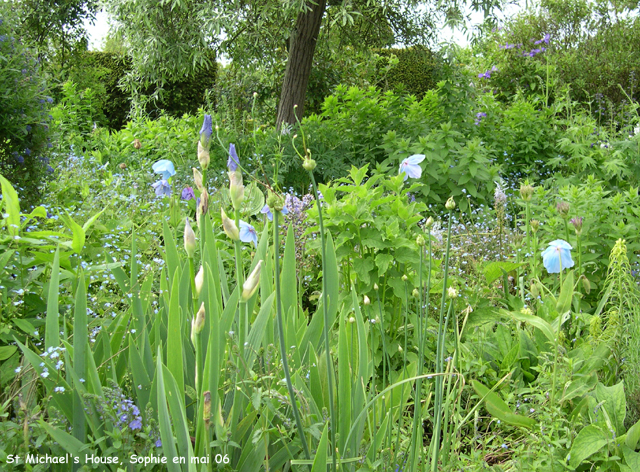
{"x": 255, "y": 94}
{"x": 452, "y": 292}
{"x": 366, "y": 300}
{"x": 309, "y": 164}
{"x": 429, "y": 223}
{"x": 400, "y": 348}
{"x": 197, "y": 323}
{"x": 203, "y": 156}
{"x": 375, "y": 286}
{"x": 420, "y": 240}
{"x": 586, "y": 284}
{"x": 577, "y": 224}
{"x": 451, "y": 204}
{"x": 251, "y": 284}
{"x": 405, "y": 278}
{"x": 535, "y": 224}
{"x": 206, "y": 410}
{"x": 137, "y": 144}
{"x": 236, "y": 188}
{"x": 229, "y": 227}
{"x": 199, "y": 281}
{"x": 189, "y": 239}
{"x": 122, "y": 165}
{"x": 275, "y": 201}
{"x": 563, "y": 209}
{"x": 526, "y": 192}
{"x": 197, "y": 178}
{"x": 204, "y": 202}
{"x": 352, "y": 320}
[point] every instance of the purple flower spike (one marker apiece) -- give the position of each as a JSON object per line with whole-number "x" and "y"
{"x": 233, "y": 162}
{"x": 410, "y": 166}
{"x": 248, "y": 233}
{"x": 162, "y": 188}
{"x": 187, "y": 193}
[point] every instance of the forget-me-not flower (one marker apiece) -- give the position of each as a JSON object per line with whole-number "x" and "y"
{"x": 164, "y": 167}
{"x": 410, "y": 166}
{"x": 248, "y": 233}
{"x": 557, "y": 256}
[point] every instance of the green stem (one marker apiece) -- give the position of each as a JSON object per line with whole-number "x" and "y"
{"x": 439, "y": 360}
{"x": 528, "y": 217}
{"x": 283, "y": 349}
{"x": 325, "y": 309}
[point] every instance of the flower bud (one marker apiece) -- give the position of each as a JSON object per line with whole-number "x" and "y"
{"x": 189, "y": 239}
{"x": 526, "y": 311}
{"x": 199, "y": 281}
{"x": 203, "y": 207}
{"x": 415, "y": 293}
{"x": 429, "y": 223}
{"x": 137, "y": 144}
{"x": 452, "y": 292}
{"x": 405, "y": 278}
{"x": 206, "y": 410}
{"x": 236, "y": 188}
{"x": 229, "y": 227}
{"x": 563, "y": 209}
{"x": 451, "y": 204}
{"x": 535, "y": 224}
{"x": 366, "y": 300}
{"x": 526, "y": 192}
{"x": 198, "y": 321}
{"x": 275, "y": 201}
{"x": 420, "y": 240}
{"x": 400, "y": 348}
{"x": 309, "y": 164}
{"x": 533, "y": 288}
{"x": 197, "y": 178}
{"x": 577, "y": 224}
{"x": 251, "y": 284}
{"x": 585, "y": 284}
{"x": 375, "y": 286}
{"x": 203, "y": 156}
{"x": 352, "y": 320}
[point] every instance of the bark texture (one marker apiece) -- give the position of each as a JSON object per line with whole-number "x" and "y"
{"x": 296, "y": 76}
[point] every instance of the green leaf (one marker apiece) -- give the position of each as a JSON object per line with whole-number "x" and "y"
{"x": 614, "y": 402}
{"x": 633, "y": 436}
{"x": 566, "y": 295}
{"x": 288, "y": 277}
{"x": 589, "y": 441}
{"x": 174, "y": 334}
{"x": 536, "y": 321}
{"x": 7, "y": 351}
{"x": 320, "y": 461}
{"x": 77, "y": 243}
{"x": 52, "y": 331}
{"x": 493, "y": 271}
{"x": 11, "y": 206}
{"x": 80, "y": 345}
{"x": 68, "y": 442}
{"x": 498, "y": 408}
{"x": 164, "y": 419}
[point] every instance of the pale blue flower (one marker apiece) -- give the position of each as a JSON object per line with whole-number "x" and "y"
{"x": 162, "y": 187}
{"x": 410, "y": 166}
{"x": 557, "y": 256}
{"x": 165, "y": 168}
{"x": 248, "y": 233}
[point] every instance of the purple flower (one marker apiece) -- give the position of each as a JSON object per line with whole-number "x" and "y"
{"x": 158, "y": 443}
{"x": 165, "y": 168}
{"x": 27, "y": 151}
{"x": 136, "y": 424}
{"x": 479, "y": 117}
{"x": 410, "y": 166}
{"x": 187, "y": 193}
{"x": 248, "y": 233}
{"x": 557, "y": 256}
{"x": 546, "y": 38}
{"x": 206, "y": 131}
{"x": 233, "y": 162}
{"x": 20, "y": 159}
{"x": 162, "y": 187}
{"x": 267, "y": 211}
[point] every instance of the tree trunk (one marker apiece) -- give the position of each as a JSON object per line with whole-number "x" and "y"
{"x": 296, "y": 76}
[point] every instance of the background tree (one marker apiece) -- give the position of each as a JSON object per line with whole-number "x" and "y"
{"x": 170, "y": 39}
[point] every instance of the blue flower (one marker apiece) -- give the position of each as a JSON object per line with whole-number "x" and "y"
{"x": 136, "y": 424}
{"x": 248, "y": 233}
{"x": 162, "y": 187}
{"x": 158, "y": 443}
{"x": 206, "y": 131}
{"x": 233, "y": 161}
{"x": 187, "y": 193}
{"x": 410, "y": 166}
{"x": 165, "y": 168}
{"x": 557, "y": 256}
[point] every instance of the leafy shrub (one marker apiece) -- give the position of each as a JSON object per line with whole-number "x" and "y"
{"x": 24, "y": 104}
{"x": 416, "y": 72}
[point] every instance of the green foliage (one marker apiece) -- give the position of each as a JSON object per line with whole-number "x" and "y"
{"x": 24, "y": 121}
{"x": 416, "y": 72}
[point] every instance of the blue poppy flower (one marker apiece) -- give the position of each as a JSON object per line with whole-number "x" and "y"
{"x": 410, "y": 166}
{"x": 248, "y": 233}
{"x": 557, "y": 256}
{"x": 233, "y": 161}
{"x": 162, "y": 187}
{"x": 165, "y": 168}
